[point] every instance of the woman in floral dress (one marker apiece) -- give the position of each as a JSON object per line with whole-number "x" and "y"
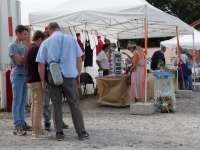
{"x": 137, "y": 76}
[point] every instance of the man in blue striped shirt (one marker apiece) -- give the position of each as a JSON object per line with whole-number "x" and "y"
{"x": 70, "y": 63}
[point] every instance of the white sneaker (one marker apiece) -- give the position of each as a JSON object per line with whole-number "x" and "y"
{"x": 43, "y": 136}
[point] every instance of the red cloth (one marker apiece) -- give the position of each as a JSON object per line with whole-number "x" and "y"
{"x": 9, "y": 95}
{"x": 99, "y": 45}
{"x": 78, "y": 36}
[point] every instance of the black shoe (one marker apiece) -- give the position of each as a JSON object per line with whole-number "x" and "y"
{"x": 65, "y": 126}
{"x": 60, "y": 136}
{"x": 26, "y": 127}
{"x": 47, "y": 127}
{"x": 83, "y": 135}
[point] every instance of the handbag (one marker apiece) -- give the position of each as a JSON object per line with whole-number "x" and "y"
{"x": 55, "y": 68}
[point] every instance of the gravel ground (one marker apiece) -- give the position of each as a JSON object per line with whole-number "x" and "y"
{"x": 112, "y": 128}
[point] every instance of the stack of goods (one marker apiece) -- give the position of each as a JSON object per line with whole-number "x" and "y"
{"x": 116, "y": 65}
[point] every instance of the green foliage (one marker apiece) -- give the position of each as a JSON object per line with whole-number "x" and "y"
{"x": 187, "y": 10}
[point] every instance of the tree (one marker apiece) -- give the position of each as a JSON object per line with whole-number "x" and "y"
{"x": 186, "y": 10}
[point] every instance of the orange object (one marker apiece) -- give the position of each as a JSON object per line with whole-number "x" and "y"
{"x": 180, "y": 68}
{"x": 145, "y": 53}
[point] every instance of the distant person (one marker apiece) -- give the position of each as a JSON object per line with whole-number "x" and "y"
{"x": 70, "y": 63}
{"x": 34, "y": 83}
{"x": 113, "y": 46}
{"x": 137, "y": 70}
{"x": 46, "y": 109}
{"x": 190, "y": 66}
{"x": 158, "y": 59}
{"x": 102, "y": 60}
{"x": 18, "y": 80}
{"x": 183, "y": 80}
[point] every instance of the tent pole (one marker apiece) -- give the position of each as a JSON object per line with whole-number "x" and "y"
{"x": 194, "y": 62}
{"x": 178, "y": 47}
{"x": 145, "y": 52}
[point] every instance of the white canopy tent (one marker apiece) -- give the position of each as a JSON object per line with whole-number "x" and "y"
{"x": 127, "y": 19}
{"x": 111, "y": 18}
{"x": 185, "y": 41}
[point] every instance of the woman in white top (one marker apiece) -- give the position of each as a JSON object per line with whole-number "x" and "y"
{"x": 183, "y": 60}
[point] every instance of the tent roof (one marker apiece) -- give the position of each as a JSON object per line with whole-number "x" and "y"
{"x": 111, "y": 18}
{"x": 185, "y": 41}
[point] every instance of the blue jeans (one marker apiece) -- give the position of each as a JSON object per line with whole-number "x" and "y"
{"x": 190, "y": 82}
{"x": 46, "y": 110}
{"x": 20, "y": 89}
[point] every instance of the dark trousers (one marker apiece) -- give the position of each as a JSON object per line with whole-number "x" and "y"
{"x": 69, "y": 86}
{"x": 105, "y": 72}
{"x": 182, "y": 85}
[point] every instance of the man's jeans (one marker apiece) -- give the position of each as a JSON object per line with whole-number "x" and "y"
{"x": 20, "y": 89}
{"x": 190, "y": 83}
{"x": 46, "y": 110}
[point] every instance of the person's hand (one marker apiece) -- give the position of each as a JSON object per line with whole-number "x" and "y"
{"x": 44, "y": 86}
{"x": 78, "y": 80}
{"x": 160, "y": 60}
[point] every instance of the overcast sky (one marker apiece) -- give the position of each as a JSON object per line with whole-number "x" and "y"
{"x": 29, "y": 6}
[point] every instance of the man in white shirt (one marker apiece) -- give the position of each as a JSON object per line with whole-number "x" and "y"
{"x": 102, "y": 60}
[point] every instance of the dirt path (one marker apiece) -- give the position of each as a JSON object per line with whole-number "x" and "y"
{"x": 113, "y": 128}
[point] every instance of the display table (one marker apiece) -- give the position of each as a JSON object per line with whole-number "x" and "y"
{"x": 114, "y": 91}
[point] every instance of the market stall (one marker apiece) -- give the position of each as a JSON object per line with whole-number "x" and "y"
{"x": 118, "y": 20}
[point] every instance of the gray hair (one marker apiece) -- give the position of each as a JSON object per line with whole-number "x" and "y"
{"x": 53, "y": 25}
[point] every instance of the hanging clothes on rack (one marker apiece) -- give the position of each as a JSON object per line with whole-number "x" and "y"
{"x": 88, "y": 53}
{"x": 118, "y": 45}
{"x": 99, "y": 45}
{"x": 78, "y": 36}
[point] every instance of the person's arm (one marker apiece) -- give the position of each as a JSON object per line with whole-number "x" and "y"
{"x": 19, "y": 60}
{"x": 98, "y": 63}
{"x": 41, "y": 71}
{"x": 125, "y": 69}
{"x": 187, "y": 60}
{"x": 191, "y": 55}
{"x": 136, "y": 60}
{"x": 79, "y": 67}
{"x": 127, "y": 55}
